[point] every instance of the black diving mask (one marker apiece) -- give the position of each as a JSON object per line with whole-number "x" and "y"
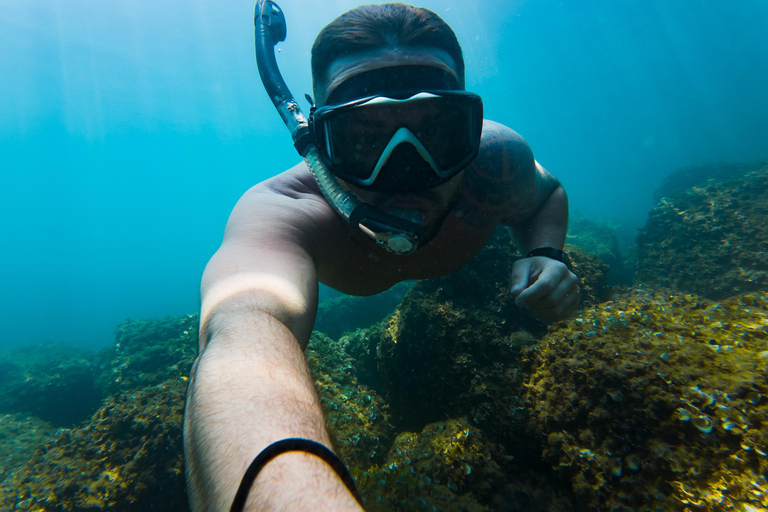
{"x": 399, "y": 141}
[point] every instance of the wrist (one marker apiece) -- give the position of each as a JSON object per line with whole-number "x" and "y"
{"x": 552, "y": 253}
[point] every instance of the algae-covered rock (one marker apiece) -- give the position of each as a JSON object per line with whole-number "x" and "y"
{"x": 448, "y": 466}
{"x": 458, "y": 337}
{"x": 345, "y": 313}
{"x": 711, "y": 240}
{"x": 20, "y": 437}
{"x": 698, "y": 175}
{"x": 356, "y": 416}
{"x": 128, "y": 458}
{"x": 593, "y": 274}
{"x": 150, "y": 351}
{"x": 657, "y": 401}
{"x": 602, "y": 241}
{"x": 51, "y": 381}
{"x": 452, "y": 466}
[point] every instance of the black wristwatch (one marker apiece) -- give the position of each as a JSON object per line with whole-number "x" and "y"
{"x": 552, "y": 253}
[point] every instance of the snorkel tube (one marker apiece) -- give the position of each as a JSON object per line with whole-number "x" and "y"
{"x": 394, "y": 233}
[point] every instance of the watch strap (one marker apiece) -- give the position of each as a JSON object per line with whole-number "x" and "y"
{"x": 552, "y": 253}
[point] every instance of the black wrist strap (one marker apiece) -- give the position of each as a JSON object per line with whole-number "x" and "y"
{"x": 552, "y": 253}
{"x": 294, "y": 444}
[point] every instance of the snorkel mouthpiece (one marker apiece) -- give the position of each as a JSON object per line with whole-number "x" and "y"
{"x": 395, "y": 234}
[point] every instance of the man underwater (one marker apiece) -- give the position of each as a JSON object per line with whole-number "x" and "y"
{"x": 402, "y": 140}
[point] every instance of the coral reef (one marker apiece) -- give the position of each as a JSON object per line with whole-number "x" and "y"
{"x": 127, "y": 458}
{"x": 52, "y": 381}
{"x": 20, "y": 437}
{"x": 711, "y": 240}
{"x": 657, "y": 401}
{"x": 150, "y": 351}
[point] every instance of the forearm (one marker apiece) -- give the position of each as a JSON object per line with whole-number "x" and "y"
{"x": 545, "y": 228}
{"x": 251, "y": 386}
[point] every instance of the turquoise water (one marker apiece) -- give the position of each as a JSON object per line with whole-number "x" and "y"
{"x": 128, "y": 129}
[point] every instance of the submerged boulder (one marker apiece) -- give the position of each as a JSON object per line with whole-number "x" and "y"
{"x": 356, "y": 416}
{"x": 448, "y": 466}
{"x": 458, "y": 337}
{"x": 150, "y": 351}
{"x": 698, "y": 175}
{"x": 602, "y": 241}
{"x": 127, "y": 458}
{"x": 656, "y": 401}
{"x": 20, "y": 437}
{"x": 711, "y": 240}
{"x": 345, "y": 313}
{"x": 51, "y": 381}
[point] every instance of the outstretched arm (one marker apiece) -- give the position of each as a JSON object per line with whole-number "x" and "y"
{"x": 251, "y": 385}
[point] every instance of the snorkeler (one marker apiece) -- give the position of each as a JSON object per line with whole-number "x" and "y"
{"x": 402, "y": 179}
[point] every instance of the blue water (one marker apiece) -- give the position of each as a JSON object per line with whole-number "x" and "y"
{"x": 128, "y": 129}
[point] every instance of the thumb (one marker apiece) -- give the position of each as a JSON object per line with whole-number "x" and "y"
{"x": 521, "y": 273}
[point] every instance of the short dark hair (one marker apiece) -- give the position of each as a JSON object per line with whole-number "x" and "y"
{"x": 371, "y": 27}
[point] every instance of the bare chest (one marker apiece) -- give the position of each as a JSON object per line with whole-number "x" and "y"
{"x": 369, "y": 269}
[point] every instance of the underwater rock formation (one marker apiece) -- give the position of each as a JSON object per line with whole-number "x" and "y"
{"x": 52, "y": 381}
{"x": 346, "y": 313}
{"x": 458, "y": 337}
{"x": 602, "y": 241}
{"x": 20, "y": 437}
{"x": 127, "y": 458}
{"x": 649, "y": 401}
{"x": 657, "y": 401}
{"x": 710, "y": 240}
{"x": 151, "y": 351}
{"x": 698, "y": 175}
{"x": 448, "y": 467}
{"x": 356, "y": 416}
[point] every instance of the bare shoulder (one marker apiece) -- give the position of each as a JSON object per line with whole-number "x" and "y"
{"x": 288, "y": 206}
{"x": 500, "y": 142}
{"x": 504, "y": 182}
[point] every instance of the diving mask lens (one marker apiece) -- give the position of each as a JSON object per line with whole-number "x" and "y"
{"x": 357, "y": 139}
